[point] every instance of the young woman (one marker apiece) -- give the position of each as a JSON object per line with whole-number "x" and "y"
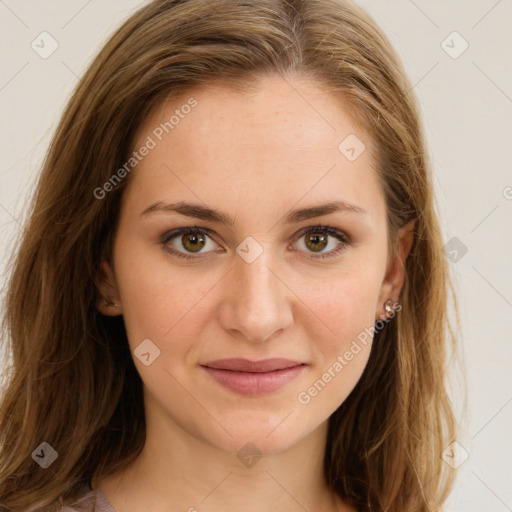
{"x": 231, "y": 293}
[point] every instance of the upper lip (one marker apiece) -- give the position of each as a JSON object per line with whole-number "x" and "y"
{"x": 246, "y": 365}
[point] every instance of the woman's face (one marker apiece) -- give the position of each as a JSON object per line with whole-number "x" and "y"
{"x": 251, "y": 174}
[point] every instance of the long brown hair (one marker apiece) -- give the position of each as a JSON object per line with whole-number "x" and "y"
{"x": 72, "y": 382}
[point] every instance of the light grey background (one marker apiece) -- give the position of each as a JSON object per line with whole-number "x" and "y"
{"x": 466, "y": 105}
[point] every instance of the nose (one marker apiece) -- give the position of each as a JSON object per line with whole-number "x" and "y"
{"x": 256, "y": 304}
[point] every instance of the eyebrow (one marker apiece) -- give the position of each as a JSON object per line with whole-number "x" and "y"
{"x": 208, "y": 214}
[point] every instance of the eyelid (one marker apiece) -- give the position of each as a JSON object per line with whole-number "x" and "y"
{"x": 173, "y": 233}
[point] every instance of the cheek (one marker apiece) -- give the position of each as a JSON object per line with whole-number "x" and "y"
{"x": 341, "y": 357}
{"x": 163, "y": 302}
{"x": 343, "y": 304}
{"x": 344, "y": 314}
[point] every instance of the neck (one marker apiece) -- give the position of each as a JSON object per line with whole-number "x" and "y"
{"x": 179, "y": 471}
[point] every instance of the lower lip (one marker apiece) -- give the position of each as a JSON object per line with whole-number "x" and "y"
{"x": 252, "y": 383}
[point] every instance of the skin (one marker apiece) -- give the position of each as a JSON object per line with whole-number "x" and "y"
{"x": 255, "y": 156}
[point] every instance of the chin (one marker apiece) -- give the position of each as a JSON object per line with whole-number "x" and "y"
{"x": 261, "y": 432}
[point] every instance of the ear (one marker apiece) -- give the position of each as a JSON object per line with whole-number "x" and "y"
{"x": 395, "y": 273}
{"x": 109, "y": 302}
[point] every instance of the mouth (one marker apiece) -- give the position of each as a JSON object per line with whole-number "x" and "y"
{"x": 247, "y": 377}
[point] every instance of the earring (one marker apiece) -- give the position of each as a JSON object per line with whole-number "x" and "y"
{"x": 108, "y": 302}
{"x": 388, "y": 306}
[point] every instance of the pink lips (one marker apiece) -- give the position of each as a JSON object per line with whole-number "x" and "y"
{"x": 253, "y": 377}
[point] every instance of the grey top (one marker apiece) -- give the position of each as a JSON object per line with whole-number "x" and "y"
{"x": 90, "y": 501}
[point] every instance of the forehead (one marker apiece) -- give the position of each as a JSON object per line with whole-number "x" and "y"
{"x": 299, "y": 112}
{"x": 282, "y": 139}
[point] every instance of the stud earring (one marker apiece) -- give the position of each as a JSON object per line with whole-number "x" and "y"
{"x": 108, "y": 302}
{"x": 388, "y": 306}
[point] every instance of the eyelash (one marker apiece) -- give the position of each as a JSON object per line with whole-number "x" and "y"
{"x": 336, "y": 233}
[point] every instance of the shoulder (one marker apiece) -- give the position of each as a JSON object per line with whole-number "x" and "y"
{"x": 89, "y": 501}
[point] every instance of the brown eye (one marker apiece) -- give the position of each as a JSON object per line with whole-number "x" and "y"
{"x": 186, "y": 242}
{"x": 317, "y": 238}
{"x": 193, "y": 242}
{"x": 316, "y": 241}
